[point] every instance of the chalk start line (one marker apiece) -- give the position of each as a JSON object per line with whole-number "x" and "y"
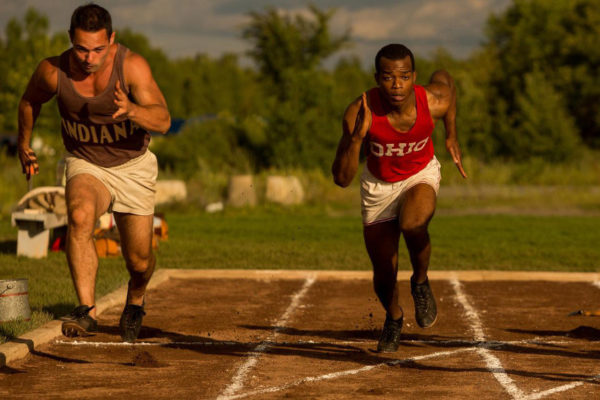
{"x": 201, "y": 344}
{"x": 449, "y": 343}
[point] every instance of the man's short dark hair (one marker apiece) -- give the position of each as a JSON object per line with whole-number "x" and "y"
{"x": 394, "y": 52}
{"x": 91, "y": 18}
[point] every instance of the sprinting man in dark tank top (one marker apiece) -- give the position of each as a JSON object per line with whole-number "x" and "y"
{"x": 108, "y": 102}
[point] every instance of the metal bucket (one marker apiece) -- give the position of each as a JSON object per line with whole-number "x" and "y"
{"x": 14, "y": 300}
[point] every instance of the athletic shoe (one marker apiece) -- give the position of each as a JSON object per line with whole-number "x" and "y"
{"x": 79, "y": 323}
{"x": 390, "y": 336}
{"x": 131, "y": 322}
{"x": 425, "y": 308}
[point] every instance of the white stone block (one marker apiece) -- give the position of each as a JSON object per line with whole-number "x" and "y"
{"x": 286, "y": 190}
{"x": 170, "y": 191}
{"x": 241, "y": 191}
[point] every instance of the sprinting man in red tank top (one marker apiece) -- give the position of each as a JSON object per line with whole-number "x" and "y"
{"x": 108, "y": 101}
{"x": 400, "y": 181}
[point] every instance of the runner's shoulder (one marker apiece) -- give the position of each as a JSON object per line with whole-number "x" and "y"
{"x": 46, "y": 74}
{"x": 49, "y": 65}
{"x": 438, "y": 94}
{"x": 134, "y": 61}
{"x": 135, "y": 67}
{"x": 437, "y": 90}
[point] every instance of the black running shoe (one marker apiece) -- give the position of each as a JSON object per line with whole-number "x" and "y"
{"x": 131, "y": 322}
{"x": 79, "y": 323}
{"x": 425, "y": 308}
{"x": 390, "y": 336}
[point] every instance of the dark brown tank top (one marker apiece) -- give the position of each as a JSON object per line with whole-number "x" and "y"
{"x": 88, "y": 129}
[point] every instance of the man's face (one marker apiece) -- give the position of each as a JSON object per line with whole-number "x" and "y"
{"x": 91, "y": 48}
{"x": 395, "y": 80}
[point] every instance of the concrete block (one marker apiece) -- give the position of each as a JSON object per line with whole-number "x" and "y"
{"x": 286, "y": 190}
{"x": 170, "y": 191}
{"x": 34, "y": 231}
{"x": 241, "y": 191}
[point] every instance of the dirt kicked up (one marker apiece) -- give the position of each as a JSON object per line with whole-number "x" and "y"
{"x": 312, "y": 335}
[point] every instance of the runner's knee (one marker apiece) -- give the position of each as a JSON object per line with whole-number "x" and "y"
{"x": 139, "y": 262}
{"x": 414, "y": 227}
{"x": 81, "y": 221}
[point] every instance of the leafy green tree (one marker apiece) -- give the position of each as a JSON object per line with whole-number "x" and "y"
{"x": 556, "y": 41}
{"x": 282, "y": 42}
{"x": 213, "y": 85}
{"x": 298, "y": 107}
{"x": 26, "y": 43}
{"x": 303, "y": 129}
{"x": 545, "y": 128}
{"x": 350, "y": 80}
{"x": 208, "y": 145}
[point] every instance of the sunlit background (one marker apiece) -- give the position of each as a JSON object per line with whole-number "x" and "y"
{"x": 187, "y": 27}
{"x": 261, "y": 86}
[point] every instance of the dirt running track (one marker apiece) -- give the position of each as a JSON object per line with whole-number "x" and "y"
{"x": 310, "y": 335}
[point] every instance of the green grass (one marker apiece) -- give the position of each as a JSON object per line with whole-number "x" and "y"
{"x": 311, "y": 238}
{"x": 51, "y": 292}
{"x": 533, "y": 184}
{"x": 509, "y": 242}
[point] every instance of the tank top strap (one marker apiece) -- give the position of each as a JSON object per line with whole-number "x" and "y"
{"x": 63, "y": 67}
{"x": 422, "y": 104}
{"x": 375, "y": 102}
{"x": 118, "y": 68}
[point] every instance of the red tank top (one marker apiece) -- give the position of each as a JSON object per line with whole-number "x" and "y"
{"x": 393, "y": 155}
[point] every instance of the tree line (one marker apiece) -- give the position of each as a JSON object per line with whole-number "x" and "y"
{"x": 530, "y": 90}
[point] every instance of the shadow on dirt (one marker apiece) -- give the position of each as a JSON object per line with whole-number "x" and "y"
{"x": 547, "y": 376}
{"x": 208, "y": 345}
{"x": 357, "y": 334}
{"x": 6, "y": 370}
{"x": 408, "y": 340}
{"x": 581, "y": 332}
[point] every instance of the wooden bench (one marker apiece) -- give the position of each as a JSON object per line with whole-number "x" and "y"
{"x": 34, "y": 231}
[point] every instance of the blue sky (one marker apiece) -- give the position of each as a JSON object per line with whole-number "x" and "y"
{"x": 188, "y": 27}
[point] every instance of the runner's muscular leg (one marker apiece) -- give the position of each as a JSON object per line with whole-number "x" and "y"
{"x": 136, "y": 244}
{"x": 417, "y": 210}
{"x": 87, "y": 199}
{"x": 381, "y": 241}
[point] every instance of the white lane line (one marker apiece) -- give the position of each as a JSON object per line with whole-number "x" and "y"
{"x": 563, "y": 388}
{"x": 493, "y": 363}
{"x": 333, "y": 375}
{"x": 490, "y": 343}
{"x": 205, "y": 344}
{"x": 472, "y": 315}
{"x": 238, "y": 379}
{"x": 539, "y": 395}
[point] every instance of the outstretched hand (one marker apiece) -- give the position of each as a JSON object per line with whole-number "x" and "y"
{"x": 363, "y": 118}
{"x": 122, "y": 101}
{"x": 454, "y": 150}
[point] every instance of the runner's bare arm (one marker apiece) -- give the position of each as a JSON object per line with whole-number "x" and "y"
{"x": 441, "y": 96}
{"x": 150, "y": 108}
{"x": 40, "y": 89}
{"x": 356, "y": 123}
